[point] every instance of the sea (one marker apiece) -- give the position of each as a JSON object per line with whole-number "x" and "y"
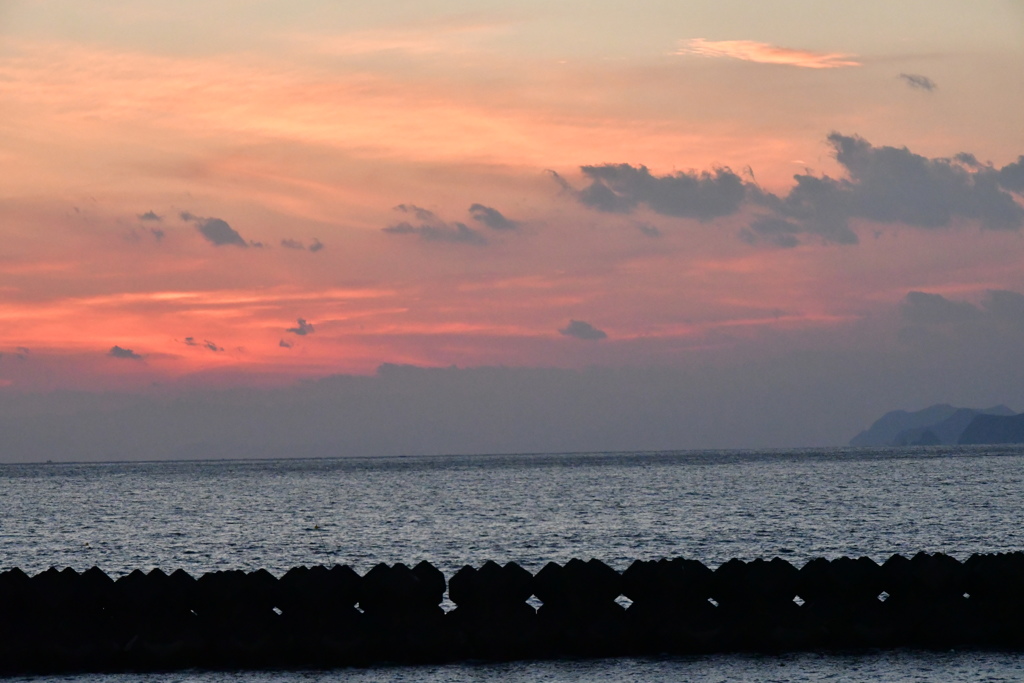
{"x": 531, "y": 508}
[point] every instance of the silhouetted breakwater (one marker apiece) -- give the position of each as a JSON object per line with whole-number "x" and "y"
{"x": 320, "y": 617}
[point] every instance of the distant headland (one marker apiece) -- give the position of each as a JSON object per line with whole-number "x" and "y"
{"x": 943, "y": 424}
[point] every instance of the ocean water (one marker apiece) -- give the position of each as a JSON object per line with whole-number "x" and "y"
{"x": 457, "y": 510}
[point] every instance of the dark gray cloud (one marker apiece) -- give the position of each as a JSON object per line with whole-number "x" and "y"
{"x": 967, "y": 159}
{"x": 622, "y": 188}
{"x": 216, "y": 231}
{"x": 492, "y": 218}
{"x": 315, "y": 246}
{"x": 418, "y": 212}
{"x": 778, "y": 231}
{"x": 583, "y": 330}
{"x": 458, "y": 233}
{"x": 118, "y": 352}
{"x": 284, "y": 344}
{"x": 935, "y": 309}
{"x": 206, "y": 344}
{"x": 302, "y": 329}
{"x": 430, "y": 228}
{"x": 978, "y": 331}
{"x": 150, "y": 216}
{"x": 1005, "y": 305}
{"x": 888, "y": 185}
{"x": 998, "y": 308}
{"x": 1011, "y": 176}
{"x": 402, "y": 228}
{"x": 648, "y": 229}
{"x": 219, "y": 233}
{"x": 157, "y": 234}
{"x": 919, "y": 82}
{"x": 820, "y": 206}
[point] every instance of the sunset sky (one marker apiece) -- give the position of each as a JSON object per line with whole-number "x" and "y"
{"x": 790, "y": 195}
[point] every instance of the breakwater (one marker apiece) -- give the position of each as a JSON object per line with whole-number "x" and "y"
{"x": 62, "y": 620}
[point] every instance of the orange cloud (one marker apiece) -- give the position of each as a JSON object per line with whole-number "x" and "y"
{"x": 765, "y": 53}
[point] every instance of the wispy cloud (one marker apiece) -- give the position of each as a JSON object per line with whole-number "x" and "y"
{"x": 919, "y": 82}
{"x": 433, "y": 229}
{"x": 362, "y": 110}
{"x": 765, "y": 53}
{"x": 452, "y": 38}
{"x": 206, "y": 344}
{"x": 289, "y": 243}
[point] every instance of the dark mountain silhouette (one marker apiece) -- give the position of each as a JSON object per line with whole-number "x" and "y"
{"x": 936, "y": 425}
{"x": 994, "y": 429}
{"x": 946, "y": 431}
{"x": 886, "y": 428}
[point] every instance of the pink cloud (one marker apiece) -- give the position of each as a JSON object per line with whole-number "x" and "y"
{"x": 765, "y": 53}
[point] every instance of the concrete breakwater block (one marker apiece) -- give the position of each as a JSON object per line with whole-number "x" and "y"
{"x": 66, "y": 621}
{"x": 579, "y": 615}
{"x": 492, "y": 619}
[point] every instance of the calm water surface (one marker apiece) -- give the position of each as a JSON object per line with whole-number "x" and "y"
{"x": 452, "y": 511}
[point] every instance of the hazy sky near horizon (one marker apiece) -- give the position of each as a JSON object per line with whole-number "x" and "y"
{"x": 216, "y": 194}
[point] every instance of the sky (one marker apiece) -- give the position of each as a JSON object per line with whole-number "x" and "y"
{"x": 494, "y": 226}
